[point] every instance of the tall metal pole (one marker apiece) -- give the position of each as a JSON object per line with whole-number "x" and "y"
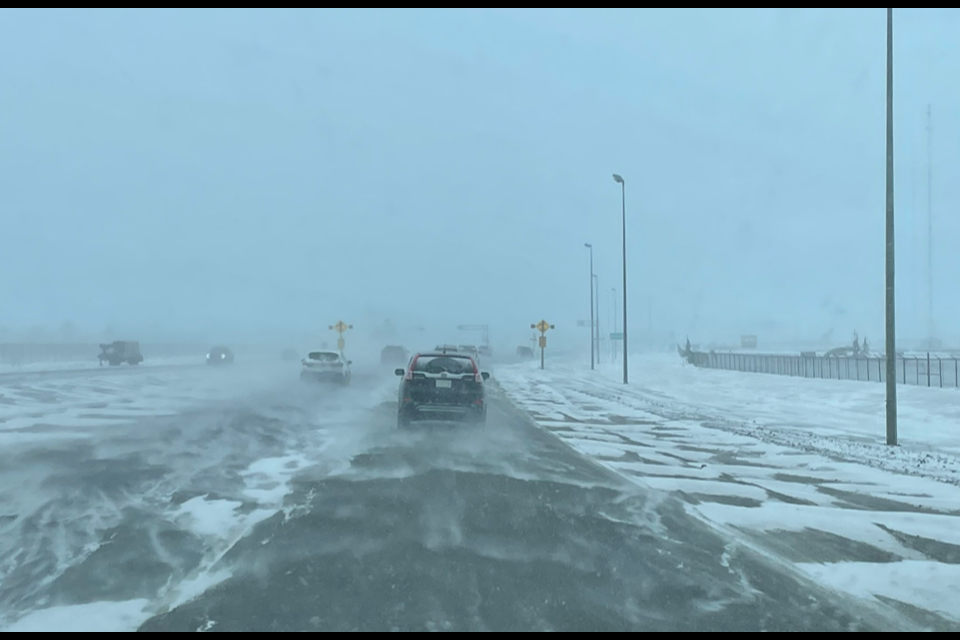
{"x": 650, "y": 319}
{"x": 614, "y": 290}
{"x": 596, "y": 302}
{"x": 891, "y": 346}
{"x": 590, "y": 246}
{"x": 915, "y": 244}
{"x": 931, "y": 330}
{"x": 623, "y": 204}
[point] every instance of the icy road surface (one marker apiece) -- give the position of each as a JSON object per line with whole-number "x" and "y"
{"x": 796, "y": 467}
{"x": 238, "y": 499}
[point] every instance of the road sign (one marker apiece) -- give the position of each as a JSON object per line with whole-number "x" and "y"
{"x": 542, "y": 326}
{"x": 341, "y": 326}
{"x": 616, "y": 336}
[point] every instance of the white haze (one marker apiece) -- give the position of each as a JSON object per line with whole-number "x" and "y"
{"x": 221, "y": 175}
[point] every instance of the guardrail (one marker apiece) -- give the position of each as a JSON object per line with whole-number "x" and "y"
{"x": 927, "y": 370}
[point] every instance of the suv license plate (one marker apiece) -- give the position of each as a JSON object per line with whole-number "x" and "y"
{"x": 444, "y": 384}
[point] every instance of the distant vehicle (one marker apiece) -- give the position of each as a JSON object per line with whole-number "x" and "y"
{"x": 289, "y": 355}
{"x": 524, "y": 352}
{"x": 446, "y": 348}
{"x": 485, "y": 351}
{"x": 394, "y": 354}
{"x": 116, "y": 353}
{"x": 220, "y": 355}
{"x": 442, "y": 386}
{"x": 470, "y": 349}
{"x": 326, "y": 366}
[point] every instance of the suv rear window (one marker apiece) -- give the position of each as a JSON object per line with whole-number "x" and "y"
{"x": 323, "y": 356}
{"x": 445, "y": 364}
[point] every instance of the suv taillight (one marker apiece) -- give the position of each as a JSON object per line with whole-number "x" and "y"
{"x": 413, "y": 365}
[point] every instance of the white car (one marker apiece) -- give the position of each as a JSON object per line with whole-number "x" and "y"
{"x": 326, "y": 366}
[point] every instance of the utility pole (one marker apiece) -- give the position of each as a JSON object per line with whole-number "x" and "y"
{"x": 592, "y": 342}
{"x": 931, "y": 330}
{"x": 596, "y": 301}
{"x": 915, "y": 290}
{"x": 891, "y": 346}
{"x": 650, "y": 339}
{"x": 623, "y": 211}
{"x": 614, "y": 342}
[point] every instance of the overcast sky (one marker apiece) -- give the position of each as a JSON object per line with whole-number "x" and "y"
{"x": 232, "y": 172}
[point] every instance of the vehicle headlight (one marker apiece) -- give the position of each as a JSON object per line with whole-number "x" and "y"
{"x": 222, "y": 356}
{"x": 208, "y": 356}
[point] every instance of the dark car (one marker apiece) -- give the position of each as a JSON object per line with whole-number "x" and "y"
{"x": 220, "y": 355}
{"x": 394, "y": 354}
{"x": 442, "y": 386}
{"x": 119, "y": 352}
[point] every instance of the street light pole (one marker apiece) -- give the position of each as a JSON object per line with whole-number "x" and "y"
{"x": 930, "y": 328}
{"x": 614, "y": 342}
{"x": 596, "y": 301}
{"x": 891, "y": 346}
{"x": 623, "y": 205}
{"x": 590, "y": 246}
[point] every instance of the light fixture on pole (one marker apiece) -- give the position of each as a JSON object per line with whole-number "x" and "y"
{"x": 590, "y": 246}
{"x": 614, "y": 342}
{"x": 891, "y": 340}
{"x": 596, "y": 301}
{"x": 623, "y": 207}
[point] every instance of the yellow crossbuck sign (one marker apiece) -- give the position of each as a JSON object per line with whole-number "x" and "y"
{"x": 341, "y": 327}
{"x": 542, "y": 327}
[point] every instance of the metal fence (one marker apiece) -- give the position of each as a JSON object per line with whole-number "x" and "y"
{"x": 927, "y": 370}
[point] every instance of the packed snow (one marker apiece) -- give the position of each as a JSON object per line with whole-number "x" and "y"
{"x": 45, "y": 366}
{"x": 97, "y": 462}
{"x": 797, "y": 467}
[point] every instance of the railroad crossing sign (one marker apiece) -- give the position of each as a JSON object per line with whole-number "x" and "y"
{"x": 542, "y": 327}
{"x": 340, "y": 328}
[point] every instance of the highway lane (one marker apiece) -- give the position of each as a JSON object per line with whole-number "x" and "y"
{"x": 118, "y": 487}
{"x": 500, "y": 528}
